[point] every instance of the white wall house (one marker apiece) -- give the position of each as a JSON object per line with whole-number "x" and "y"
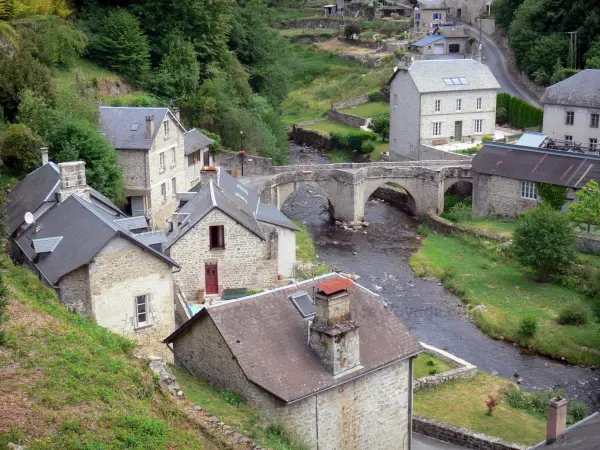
{"x": 428, "y": 13}
{"x": 572, "y": 109}
{"x": 435, "y": 102}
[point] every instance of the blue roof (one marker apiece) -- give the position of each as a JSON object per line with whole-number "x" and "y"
{"x": 427, "y": 40}
{"x": 531, "y": 139}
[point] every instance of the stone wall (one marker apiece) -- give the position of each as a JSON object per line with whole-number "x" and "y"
{"x": 463, "y": 370}
{"x": 253, "y": 165}
{"x": 441, "y": 225}
{"x": 312, "y": 23}
{"x": 499, "y": 195}
{"x": 346, "y": 119}
{"x": 427, "y": 153}
{"x": 352, "y": 102}
{"x": 243, "y": 249}
{"x": 122, "y": 271}
{"x": 75, "y": 291}
{"x": 588, "y": 244}
{"x": 134, "y": 164}
{"x": 311, "y": 138}
{"x": 488, "y": 26}
{"x": 460, "y": 436}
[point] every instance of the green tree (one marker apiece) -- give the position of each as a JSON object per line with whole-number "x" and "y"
{"x": 179, "y": 72}
{"x": 544, "y": 51}
{"x": 120, "y": 44}
{"x": 553, "y": 195}
{"x": 381, "y": 125}
{"x": 504, "y": 11}
{"x": 587, "y": 207}
{"x": 20, "y": 150}
{"x": 559, "y": 73}
{"x": 592, "y": 57}
{"x": 351, "y": 30}
{"x": 76, "y": 139}
{"x": 544, "y": 242}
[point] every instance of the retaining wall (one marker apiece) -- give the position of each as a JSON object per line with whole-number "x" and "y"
{"x": 588, "y": 244}
{"x": 311, "y": 138}
{"x": 346, "y": 119}
{"x": 488, "y": 26}
{"x": 460, "y": 436}
{"x": 463, "y": 370}
{"x": 441, "y": 225}
{"x": 253, "y": 165}
{"x": 351, "y": 102}
{"x": 430, "y": 153}
{"x": 312, "y": 23}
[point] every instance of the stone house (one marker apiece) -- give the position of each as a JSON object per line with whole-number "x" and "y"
{"x": 572, "y": 109}
{"x": 505, "y": 176}
{"x": 435, "y": 102}
{"x": 81, "y": 245}
{"x": 469, "y": 10}
{"x": 324, "y": 357}
{"x": 197, "y": 152}
{"x": 150, "y": 144}
{"x": 429, "y": 13}
{"x": 444, "y": 41}
{"x": 224, "y": 237}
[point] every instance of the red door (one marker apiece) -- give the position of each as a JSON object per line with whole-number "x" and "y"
{"x": 211, "y": 276}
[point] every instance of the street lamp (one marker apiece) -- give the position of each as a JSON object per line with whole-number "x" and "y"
{"x": 242, "y": 151}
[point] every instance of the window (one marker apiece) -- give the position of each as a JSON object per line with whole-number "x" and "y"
{"x": 141, "y": 311}
{"x": 161, "y": 162}
{"x": 438, "y": 106}
{"x": 478, "y": 125}
{"x": 173, "y": 159}
{"x": 459, "y": 104}
{"x": 166, "y": 128}
{"x": 163, "y": 192}
{"x": 593, "y": 144}
{"x": 568, "y": 138}
{"x": 529, "y": 190}
{"x": 217, "y": 236}
{"x": 418, "y": 16}
{"x": 174, "y": 187}
{"x": 570, "y": 118}
{"x": 437, "y": 128}
{"x": 456, "y": 81}
{"x": 395, "y": 100}
{"x": 479, "y": 102}
{"x": 595, "y": 119}
{"x": 454, "y": 48}
{"x": 437, "y": 16}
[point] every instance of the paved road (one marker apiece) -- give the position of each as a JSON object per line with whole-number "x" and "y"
{"x": 420, "y": 442}
{"x": 497, "y": 64}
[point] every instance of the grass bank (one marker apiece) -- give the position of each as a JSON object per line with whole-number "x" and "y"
{"x": 306, "y": 254}
{"x": 426, "y": 364}
{"x": 462, "y": 403}
{"x": 476, "y": 271}
{"x": 368, "y": 110}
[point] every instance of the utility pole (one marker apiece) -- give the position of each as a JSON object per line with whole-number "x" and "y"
{"x": 574, "y": 42}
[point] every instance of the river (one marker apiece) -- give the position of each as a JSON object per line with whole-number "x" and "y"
{"x": 434, "y": 315}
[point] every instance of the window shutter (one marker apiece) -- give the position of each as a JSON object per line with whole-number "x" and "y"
{"x": 150, "y": 309}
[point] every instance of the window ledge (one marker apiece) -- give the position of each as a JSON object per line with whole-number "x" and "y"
{"x": 216, "y": 248}
{"x": 142, "y": 327}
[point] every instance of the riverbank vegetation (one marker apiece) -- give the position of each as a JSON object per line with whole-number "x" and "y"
{"x": 306, "y": 255}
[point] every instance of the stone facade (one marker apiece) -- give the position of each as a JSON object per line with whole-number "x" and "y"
{"x": 122, "y": 271}
{"x": 253, "y": 165}
{"x": 371, "y": 411}
{"x": 74, "y": 291}
{"x": 555, "y": 124}
{"x": 499, "y": 195}
{"x": 246, "y": 261}
{"x": 135, "y": 170}
{"x": 468, "y": 10}
{"x": 311, "y": 138}
{"x": 425, "y": 17}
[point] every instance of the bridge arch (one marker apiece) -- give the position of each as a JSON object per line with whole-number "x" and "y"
{"x": 395, "y": 192}
{"x": 286, "y": 191}
{"x": 456, "y": 190}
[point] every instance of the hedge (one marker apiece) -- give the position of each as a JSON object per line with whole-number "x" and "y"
{"x": 351, "y": 140}
{"x": 520, "y": 113}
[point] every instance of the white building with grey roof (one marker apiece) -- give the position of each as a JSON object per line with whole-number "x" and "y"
{"x": 572, "y": 109}
{"x": 80, "y": 244}
{"x": 438, "y": 102}
{"x": 226, "y": 239}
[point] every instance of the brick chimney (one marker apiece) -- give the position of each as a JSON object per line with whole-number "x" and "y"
{"x": 333, "y": 333}
{"x": 176, "y": 113}
{"x": 44, "y": 152}
{"x": 73, "y": 181}
{"x": 557, "y": 420}
{"x": 149, "y": 127}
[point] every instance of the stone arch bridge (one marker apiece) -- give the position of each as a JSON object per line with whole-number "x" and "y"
{"x": 348, "y": 186}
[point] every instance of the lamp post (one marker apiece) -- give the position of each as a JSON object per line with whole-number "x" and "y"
{"x": 242, "y": 152}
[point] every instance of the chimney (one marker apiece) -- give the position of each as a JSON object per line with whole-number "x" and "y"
{"x": 176, "y": 113}
{"x": 333, "y": 333}
{"x": 557, "y": 420}
{"x": 207, "y": 174}
{"x": 72, "y": 180}
{"x": 44, "y": 152}
{"x": 149, "y": 127}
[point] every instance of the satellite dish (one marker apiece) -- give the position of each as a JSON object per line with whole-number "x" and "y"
{"x": 28, "y": 218}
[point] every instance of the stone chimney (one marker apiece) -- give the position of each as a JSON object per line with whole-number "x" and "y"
{"x": 333, "y": 333}
{"x": 176, "y": 113}
{"x": 72, "y": 180}
{"x": 557, "y": 420}
{"x": 149, "y": 127}
{"x": 207, "y": 175}
{"x": 44, "y": 152}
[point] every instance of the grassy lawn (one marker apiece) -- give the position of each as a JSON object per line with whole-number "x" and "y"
{"x": 89, "y": 70}
{"x": 426, "y": 364}
{"x": 493, "y": 225}
{"x": 306, "y": 253}
{"x": 367, "y": 110}
{"x": 231, "y": 409}
{"x": 462, "y": 403}
{"x": 329, "y": 126}
{"x": 379, "y": 147}
{"x": 472, "y": 269}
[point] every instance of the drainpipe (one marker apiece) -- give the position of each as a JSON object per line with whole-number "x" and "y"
{"x": 410, "y": 400}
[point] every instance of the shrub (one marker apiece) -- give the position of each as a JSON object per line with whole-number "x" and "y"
{"x": 381, "y": 125}
{"x": 351, "y": 30}
{"x": 501, "y": 115}
{"x": 528, "y": 326}
{"x": 351, "y": 140}
{"x": 367, "y": 147}
{"x": 460, "y": 212}
{"x": 537, "y": 403}
{"x": 20, "y": 150}
{"x": 587, "y": 207}
{"x": 487, "y": 137}
{"x": 491, "y": 404}
{"x": 553, "y": 195}
{"x": 573, "y": 314}
{"x": 389, "y": 29}
{"x": 544, "y": 242}
{"x": 399, "y": 53}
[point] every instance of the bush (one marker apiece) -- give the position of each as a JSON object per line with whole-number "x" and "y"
{"x": 544, "y": 242}
{"x": 528, "y": 326}
{"x": 536, "y": 403}
{"x": 518, "y": 112}
{"x": 389, "y": 29}
{"x": 573, "y": 314}
{"x": 487, "y": 137}
{"x": 501, "y": 115}
{"x": 351, "y": 140}
{"x": 553, "y": 195}
{"x": 399, "y": 53}
{"x": 351, "y": 30}
{"x": 367, "y": 147}
{"x": 381, "y": 125}
{"x": 460, "y": 212}
{"x": 20, "y": 150}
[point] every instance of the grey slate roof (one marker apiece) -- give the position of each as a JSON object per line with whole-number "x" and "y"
{"x": 152, "y": 237}
{"x": 85, "y": 230}
{"x": 540, "y": 165}
{"x": 432, "y": 4}
{"x": 194, "y": 140}
{"x": 133, "y": 223}
{"x": 46, "y": 244}
{"x": 268, "y": 338}
{"x": 117, "y": 124}
{"x": 582, "y": 89}
{"x": 233, "y": 199}
{"x": 584, "y": 435}
{"x": 428, "y": 75}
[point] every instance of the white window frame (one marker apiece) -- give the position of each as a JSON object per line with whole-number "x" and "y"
{"x": 436, "y": 129}
{"x": 570, "y": 118}
{"x": 161, "y": 162}
{"x": 478, "y": 126}
{"x": 459, "y": 104}
{"x": 437, "y": 106}
{"x": 529, "y": 190}
{"x": 479, "y": 104}
{"x": 144, "y": 301}
{"x": 594, "y": 120}
{"x": 166, "y": 129}
{"x": 174, "y": 187}
{"x": 173, "y": 157}
{"x": 594, "y": 144}
{"x": 163, "y": 192}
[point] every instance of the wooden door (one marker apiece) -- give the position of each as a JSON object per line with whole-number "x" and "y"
{"x": 211, "y": 277}
{"x": 458, "y": 131}
{"x": 207, "y": 158}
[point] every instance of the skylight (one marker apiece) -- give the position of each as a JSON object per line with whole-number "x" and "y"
{"x": 242, "y": 189}
{"x": 135, "y": 126}
{"x": 241, "y": 197}
{"x": 303, "y": 303}
{"x": 456, "y": 81}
